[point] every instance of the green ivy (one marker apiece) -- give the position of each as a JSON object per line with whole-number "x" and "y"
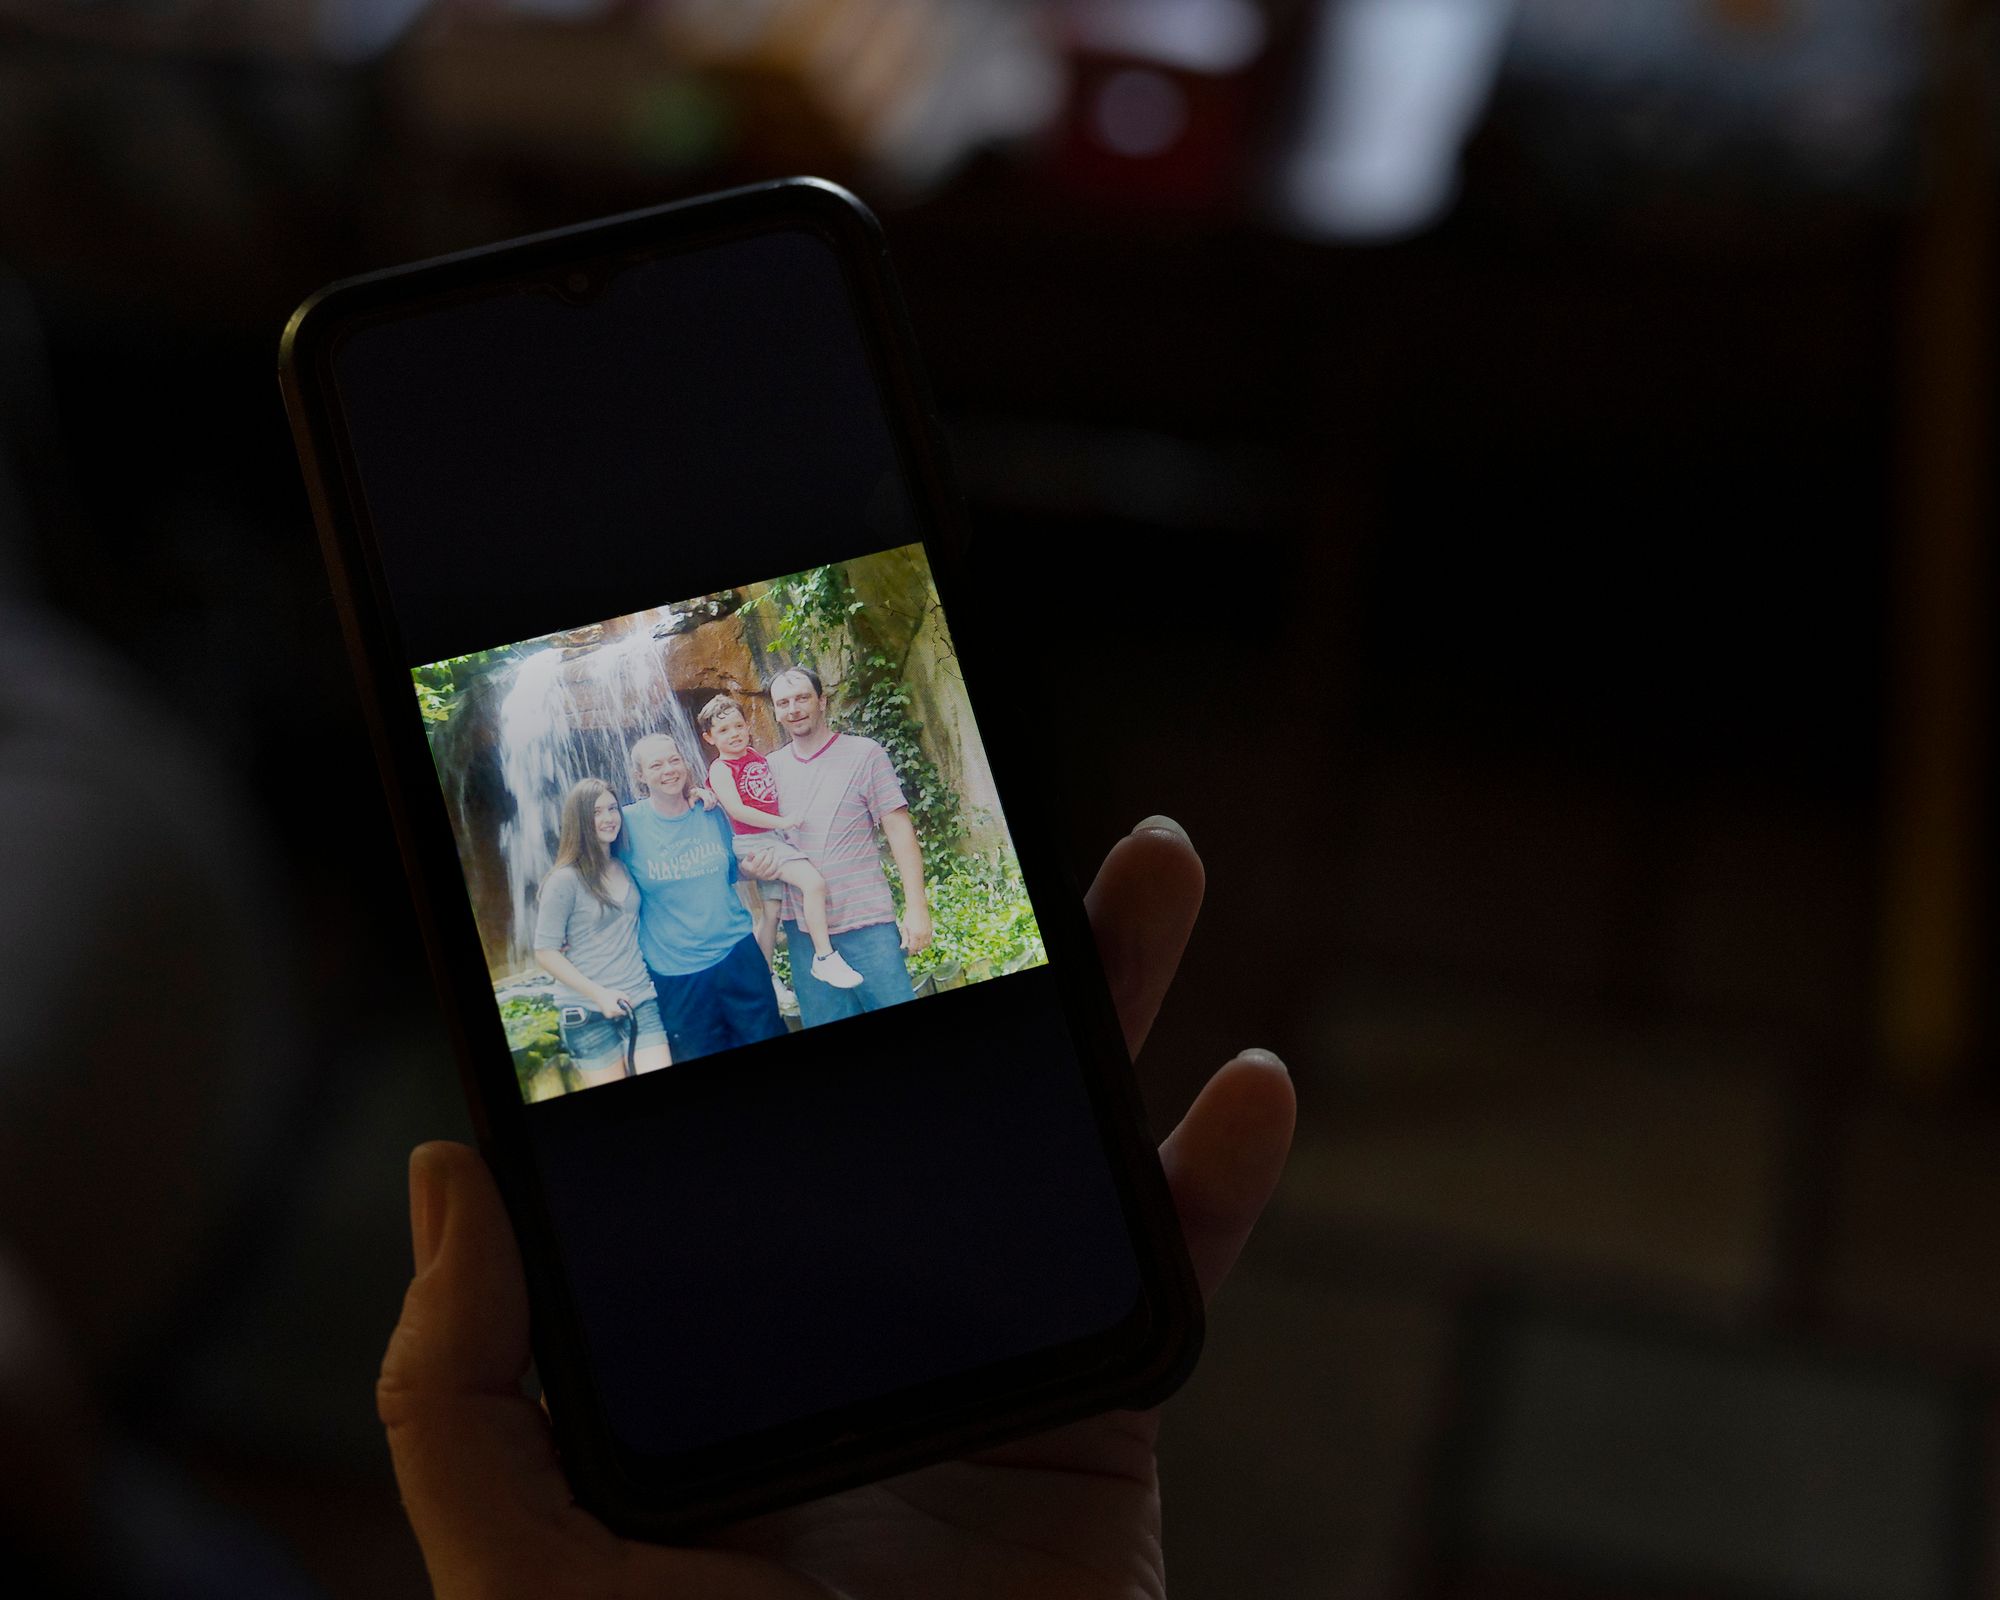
{"x": 935, "y": 808}
{"x": 441, "y": 683}
{"x": 813, "y": 608}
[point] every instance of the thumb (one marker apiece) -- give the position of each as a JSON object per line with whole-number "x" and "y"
{"x": 473, "y": 1454}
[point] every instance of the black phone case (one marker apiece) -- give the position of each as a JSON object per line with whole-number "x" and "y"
{"x": 1142, "y": 1362}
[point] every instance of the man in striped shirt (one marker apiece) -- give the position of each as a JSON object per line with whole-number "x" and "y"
{"x": 845, "y": 791}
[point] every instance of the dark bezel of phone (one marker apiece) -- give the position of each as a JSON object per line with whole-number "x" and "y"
{"x": 1137, "y": 1364}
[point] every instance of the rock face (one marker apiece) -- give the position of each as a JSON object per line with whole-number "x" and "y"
{"x": 723, "y": 657}
{"x": 902, "y": 619}
{"x": 688, "y": 615}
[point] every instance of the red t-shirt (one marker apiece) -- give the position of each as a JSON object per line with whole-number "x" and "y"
{"x": 754, "y": 785}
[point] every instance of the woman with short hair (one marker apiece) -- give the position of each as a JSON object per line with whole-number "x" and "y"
{"x": 696, "y": 936}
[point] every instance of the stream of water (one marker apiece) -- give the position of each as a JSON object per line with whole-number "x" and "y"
{"x": 571, "y": 715}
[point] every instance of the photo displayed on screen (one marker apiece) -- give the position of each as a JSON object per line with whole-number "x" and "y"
{"x": 724, "y": 819}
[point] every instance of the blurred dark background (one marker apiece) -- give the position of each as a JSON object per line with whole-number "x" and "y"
{"x": 1545, "y": 444}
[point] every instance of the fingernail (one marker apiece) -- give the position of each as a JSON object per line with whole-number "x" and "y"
{"x": 1165, "y": 825}
{"x": 427, "y": 1203}
{"x": 1264, "y": 1058}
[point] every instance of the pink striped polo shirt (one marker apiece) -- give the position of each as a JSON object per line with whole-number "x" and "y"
{"x": 841, "y": 796}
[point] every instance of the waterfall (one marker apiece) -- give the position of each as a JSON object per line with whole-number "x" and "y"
{"x": 572, "y": 713}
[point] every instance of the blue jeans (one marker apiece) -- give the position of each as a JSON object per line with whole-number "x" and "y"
{"x": 720, "y": 1007}
{"x": 876, "y": 952}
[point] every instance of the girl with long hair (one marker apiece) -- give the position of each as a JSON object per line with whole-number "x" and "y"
{"x": 587, "y": 939}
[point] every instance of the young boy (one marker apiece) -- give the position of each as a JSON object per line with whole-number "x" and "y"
{"x": 741, "y": 781}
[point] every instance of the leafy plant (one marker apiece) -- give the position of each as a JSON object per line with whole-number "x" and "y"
{"x": 935, "y": 808}
{"x": 534, "y": 1034}
{"x": 981, "y": 919}
{"x": 813, "y": 607}
{"x": 441, "y": 683}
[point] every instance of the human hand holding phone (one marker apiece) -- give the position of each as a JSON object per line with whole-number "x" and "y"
{"x": 977, "y": 1254}
{"x": 1073, "y": 1512}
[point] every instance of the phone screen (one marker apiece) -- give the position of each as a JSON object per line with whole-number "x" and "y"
{"x": 803, "y": 1106}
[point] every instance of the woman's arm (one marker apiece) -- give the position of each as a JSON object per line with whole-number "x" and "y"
{"x": 563, "y": 970}
{"x": 723, "y": 782}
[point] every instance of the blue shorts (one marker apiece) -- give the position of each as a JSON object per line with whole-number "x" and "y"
{"x": 722, "y": 1006}
{"x": 598, "y": 1037}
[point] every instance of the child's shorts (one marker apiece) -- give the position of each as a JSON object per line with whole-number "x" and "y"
{"x": 748, "y": 844}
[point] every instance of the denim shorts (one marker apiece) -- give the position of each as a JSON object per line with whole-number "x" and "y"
{"x": 597, "y": 1036}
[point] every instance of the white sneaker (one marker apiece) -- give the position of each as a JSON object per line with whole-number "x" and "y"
{"x": 832, "y": 969}
{"x": 787, "y": 1001}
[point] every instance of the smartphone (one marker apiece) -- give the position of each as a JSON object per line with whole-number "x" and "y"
{"x": 780, "y": 1021}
